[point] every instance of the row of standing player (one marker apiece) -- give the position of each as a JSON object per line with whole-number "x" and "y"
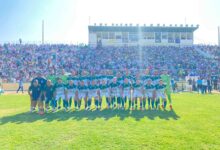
{"x": 117, "y": 93}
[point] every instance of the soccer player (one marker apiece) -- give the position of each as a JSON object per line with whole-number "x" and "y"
{"x": 76, "y": 82}
{"x": 160, "y": 93}
{"x": 150, "y": 89}
{"x": 119, "y": 94}
{"x": 119, "y": 77}
{"x": 48, "y": 93}
{"x": 93, "y": 93}
{"x": 86, "y": 80}
{"x": 109, "y": 77}
{"x": 105, "y": 91}
{"x": 126, "y": 93}
{"x": 137, "y": 93}
{"x": 73, "y": 77}
{"x": 63, "y": 76}
{"x": 115, "y": 92}
{"x": 130, "y": 78}
{"x": 155, "y": 80}
{"x": 70, "y": 94}
{"x": 59, "y": 94}
{"x": 146, "y": 77}
{"x": 156, "y": 77}
{"x": 167, "y": 80}
{"x": 82, "y": 94}
{"x": 35, "y": 93}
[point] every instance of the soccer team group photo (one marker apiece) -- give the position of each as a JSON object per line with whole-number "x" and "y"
{"x": 140, "y": 92}
{"x": 109, "y": 75}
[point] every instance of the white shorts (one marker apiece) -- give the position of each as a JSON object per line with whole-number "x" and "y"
{"x": 161, "y": 95}
{"x": 115, "y": 94}
{"x": 126, "y": 94}
{"x": 149, "y": 94}
{"x": 92, "y": 94}
{"x": 70, "y": 96}
{"x": 137, "y": 94}
{"x": 62, "y": 96}
{"x": 81, "y": 94}
{"x": 104, "y": 93}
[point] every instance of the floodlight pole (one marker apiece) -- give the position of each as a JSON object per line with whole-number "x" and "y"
{"x": 42, "y": 31}
{"x": 218, "y": 35}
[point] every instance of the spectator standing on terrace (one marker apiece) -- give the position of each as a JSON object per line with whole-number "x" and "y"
{"x": 204, "y": 86}
{"x": 199, "y": 85}
{"x": 214, "y": 82}
{"x": 209, "y": 85}
{"x": 194, "y": 85}
{"x": 173, "y": 85}
{"x": 1, "y": 90}
{"x": 20, "y": 86}
{"x": 0, "y": 82}
{"x": 190, "y": 82}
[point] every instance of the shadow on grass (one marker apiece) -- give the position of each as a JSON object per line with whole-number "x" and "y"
{"x": 106, "y": 114}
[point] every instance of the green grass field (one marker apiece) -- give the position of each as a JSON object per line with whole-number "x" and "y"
{"x": 194, "y": 124}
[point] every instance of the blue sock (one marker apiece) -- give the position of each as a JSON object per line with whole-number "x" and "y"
{"x": 79, "y": 103}
{"x": 108, "y": 102}
{"x": 165, "y": 104}
{"x": 70, "y": 102}
{"x": 152, "y": 103}
{"x": 75, "y": 104}
{"x": 136, "y": 101}
{"x": 118, "y": 100}
{"x": 148, "y": 100}
{"x": 54, "y": 103}
{"x": 144, "y": 103}
{"x": 113, "y": 101}
{"x": 129, "y": 103}
{"x": 67, "y": 104}
{"x": 123, "y": 102}
{"x": 64, "y": 103}
{"x": 141, "y": 105}
{"x": 86, "y": 104}
{"x": 96, "y": 103}
{"x": 156, "y": 104}
{"x": 158, "y": 101}
{"x": 89, "y": 102}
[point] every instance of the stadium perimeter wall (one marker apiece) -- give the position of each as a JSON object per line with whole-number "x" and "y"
{"x": 14, "y": 86}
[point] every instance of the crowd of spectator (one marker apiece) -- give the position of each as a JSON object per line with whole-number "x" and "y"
{"x": 25, "y": 61}
{"x": 212, "y": 50}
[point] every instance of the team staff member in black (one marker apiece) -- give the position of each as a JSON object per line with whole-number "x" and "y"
{"x": 42, "y": 83}
{"x": 35, "y": 92}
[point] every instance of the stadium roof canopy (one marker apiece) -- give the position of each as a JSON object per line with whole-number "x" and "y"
{"x": 137, "y": 28}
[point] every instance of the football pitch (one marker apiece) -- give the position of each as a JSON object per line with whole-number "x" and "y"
{"x": 193, "y": 124}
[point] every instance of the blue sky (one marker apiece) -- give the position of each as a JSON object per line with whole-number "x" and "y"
{"x": 66, "y": 21}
